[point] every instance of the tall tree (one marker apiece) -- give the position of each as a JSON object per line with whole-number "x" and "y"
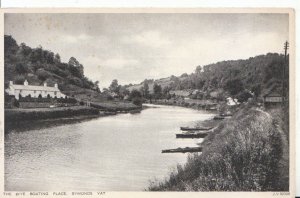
{"x": 114, "y": 86}
{"x": 145, "y": 90}
{"x": 57, "y": 58}
{"x": 157, "y": 90}
{"x": 136, "y": 97}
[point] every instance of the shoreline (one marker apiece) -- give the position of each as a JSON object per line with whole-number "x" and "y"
{"x": 27, "y": 125}
{"x": 199, "y": 123}
{"x": 15, "y": 118}
{"x": 224, "y": 148}
{"x": 205, "y": 105}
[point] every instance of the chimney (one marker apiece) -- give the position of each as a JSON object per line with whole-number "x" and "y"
{"x": 45, "y": 84}
{"x": 55, "y": 85}
{"x": 25, "y": 82}
{"x": 11, "y": 82}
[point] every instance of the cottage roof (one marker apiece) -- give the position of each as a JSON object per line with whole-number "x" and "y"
{"x": 34, "y": 88}
{"x": 273, "y": 93}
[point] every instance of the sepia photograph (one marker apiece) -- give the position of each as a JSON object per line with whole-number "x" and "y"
{"x": 147, "y": 101}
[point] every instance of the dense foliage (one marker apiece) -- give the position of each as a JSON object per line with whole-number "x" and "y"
{"x": 234, "y": 78}
{"x": 38, "y": 65}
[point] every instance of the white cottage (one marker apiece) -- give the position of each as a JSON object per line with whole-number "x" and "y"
{"x": 33, "y": 91}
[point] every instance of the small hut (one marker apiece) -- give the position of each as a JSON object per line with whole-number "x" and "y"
{"x": 273, "y": 99}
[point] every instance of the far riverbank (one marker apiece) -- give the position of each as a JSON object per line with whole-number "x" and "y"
{"x": 60, "y": 115}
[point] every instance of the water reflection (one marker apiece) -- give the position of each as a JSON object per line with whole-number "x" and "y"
{"x": 116, "y": 153}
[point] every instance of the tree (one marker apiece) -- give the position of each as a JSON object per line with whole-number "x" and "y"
{"x": 198, "y": 69}
{"x": 75, "y": 71}
{"x": 157, "y": 90}
{"x": 73, "y": 63}
{"x": 244, "y": 96}
{"x": 42, "y": 74}
{"x": 21, "y": 68}
{"x": 184, "y": 75}
{"x": 136, "y": 97}
{"x": 256, "y": 89}
{"x": 57, "y": 58}
{"x": 145, "y": 90}
{"x": 114, "y": 86}
{"x": 37, "y": 55}
{"x": 123, "y": 91}
{"x": 135, "y": 93}
{"x": 96, "y": 86}
{"x": 166, "y": 90}
{"x": 234, "y": 86}
{"x": 49, "y": 56}
{"x": 25, "y": 50}
{"x": 75, "y": 81}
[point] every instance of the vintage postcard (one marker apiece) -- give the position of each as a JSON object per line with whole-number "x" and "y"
{"x": 127, "y": 102}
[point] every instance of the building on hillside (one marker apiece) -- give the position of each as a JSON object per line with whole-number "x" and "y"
{"x": 273, "y": 98}
{"x": 33, "y": 91}
{"x": 232, "y": 101}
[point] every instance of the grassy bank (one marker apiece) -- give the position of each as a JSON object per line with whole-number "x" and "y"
{"x": 15, "y": 115}
{"x": 248, "y": 152}
{"x": 115, "y": 106}
{"x": 189, "y": 103}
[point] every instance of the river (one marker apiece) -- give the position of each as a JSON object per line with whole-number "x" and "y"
{"x": 115, "y": 153}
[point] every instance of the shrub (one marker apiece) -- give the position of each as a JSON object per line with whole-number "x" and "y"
{"x": 109, "y": 97}
{"x": 75, "y": 81}
{"x": 137, "y": 101}
{"x": 244, "y": 96}
{"x": 42, "y": 74}
{"x": 21, "y": 68}
{"x": 234, "y": 86}
{"x": 19, "y": 80}
{"x": 15, "y": 102}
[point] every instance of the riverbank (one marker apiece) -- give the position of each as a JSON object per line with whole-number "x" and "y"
{"x": 248, "y": 152}
{"x": 14, "y": 118}
{"x": 189, "y": 103}
{"x": 15, "y": 115}
{"x": 115, "y": 106}
{"x": 205, "y": 105}
{"x": 96, "y": 108}
{"x": 28, "y": 125}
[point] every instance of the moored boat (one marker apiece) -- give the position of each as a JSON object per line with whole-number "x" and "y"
{"x": 195, "y": 128}
{"x": 183, "y": 150}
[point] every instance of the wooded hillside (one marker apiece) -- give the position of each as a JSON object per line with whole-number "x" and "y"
{"x": 258, "y": 74}
{"x": 38, "y": 65}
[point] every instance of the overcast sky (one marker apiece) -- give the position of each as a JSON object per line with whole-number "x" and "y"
{"x": 133, "y": 47}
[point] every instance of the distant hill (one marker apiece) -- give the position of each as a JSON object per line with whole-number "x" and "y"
{"x": 38, "y": 65}
{"x": 258, "y": 74}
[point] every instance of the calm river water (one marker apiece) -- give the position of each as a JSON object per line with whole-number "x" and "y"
{"x": 115, "y": 153}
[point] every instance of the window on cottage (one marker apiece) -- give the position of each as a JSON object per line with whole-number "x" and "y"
{"x": 55, "y": 93}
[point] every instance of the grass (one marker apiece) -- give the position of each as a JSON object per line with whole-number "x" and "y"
{"x": 15, "y": 115}
{"x": 244, "y": 153}
{"x": 115, "y": 106}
